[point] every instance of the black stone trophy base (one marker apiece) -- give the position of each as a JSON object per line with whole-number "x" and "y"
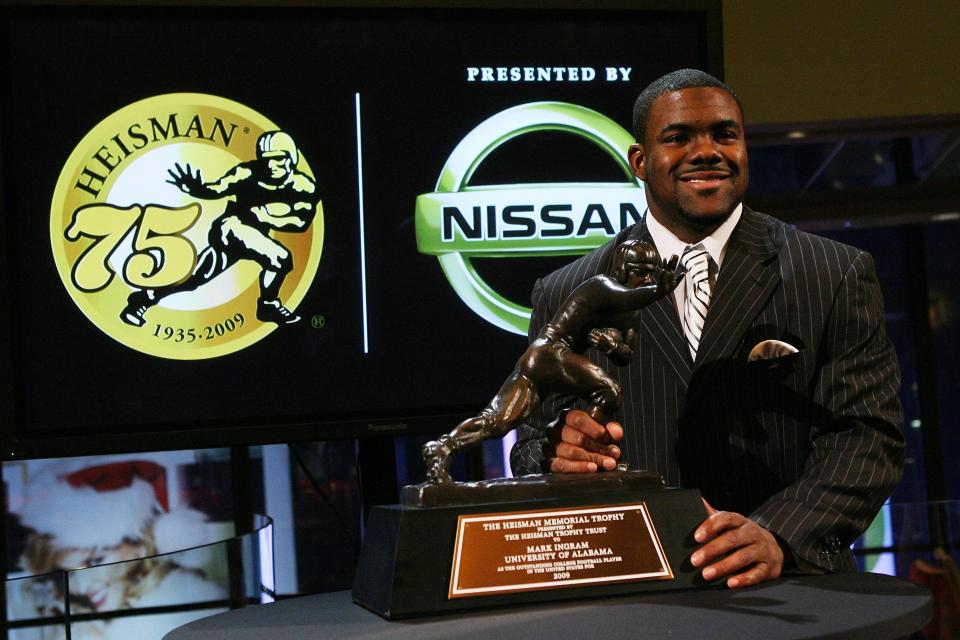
{"x": 409, "y": 549}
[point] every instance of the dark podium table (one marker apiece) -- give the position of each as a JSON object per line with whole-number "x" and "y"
{"x": 847, "y": 606}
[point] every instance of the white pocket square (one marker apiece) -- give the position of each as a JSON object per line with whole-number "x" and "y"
{"x": 771, "y": 350}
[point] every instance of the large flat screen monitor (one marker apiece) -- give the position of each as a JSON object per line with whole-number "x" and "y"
{"x": 238, "y": 224}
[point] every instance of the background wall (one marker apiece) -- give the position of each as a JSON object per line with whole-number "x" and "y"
{"x": 828, "y": 60}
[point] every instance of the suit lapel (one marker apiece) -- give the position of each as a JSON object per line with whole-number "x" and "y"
{"x": 661, "y": 325}
{"x": 749, "y": 274}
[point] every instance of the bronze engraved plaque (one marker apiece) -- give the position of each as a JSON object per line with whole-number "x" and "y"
{"x": 497, "y": 553}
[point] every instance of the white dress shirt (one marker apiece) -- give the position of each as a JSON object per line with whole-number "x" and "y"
{"x": 715, "y": 244}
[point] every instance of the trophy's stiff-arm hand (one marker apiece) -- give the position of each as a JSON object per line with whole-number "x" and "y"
{"x": 671, "y": 264}
{"x": 671, "y": 273}
{"x": 582, "y": 445}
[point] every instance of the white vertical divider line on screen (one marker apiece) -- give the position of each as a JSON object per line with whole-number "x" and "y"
{"x": 363, "y": 239}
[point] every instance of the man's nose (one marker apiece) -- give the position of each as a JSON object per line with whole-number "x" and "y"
{"x": 704, "y": 150}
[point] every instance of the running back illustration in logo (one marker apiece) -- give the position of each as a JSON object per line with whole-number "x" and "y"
{"x": 269, "y": 193}
{"x": 171, "y": 264}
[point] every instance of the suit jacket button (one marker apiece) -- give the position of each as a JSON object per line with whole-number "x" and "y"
{"x": 831, "y": 546}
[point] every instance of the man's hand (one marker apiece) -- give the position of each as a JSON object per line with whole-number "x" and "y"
{"x": 582, "y": 445}
{"x": 736, "y": 546}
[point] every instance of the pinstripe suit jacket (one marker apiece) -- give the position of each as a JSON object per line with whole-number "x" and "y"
{"x": 810, "y": 449}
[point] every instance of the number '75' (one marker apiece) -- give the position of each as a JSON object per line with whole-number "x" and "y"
{"x": 161, "y": 255}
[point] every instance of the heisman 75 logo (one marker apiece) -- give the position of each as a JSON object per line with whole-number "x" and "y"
{"x": 187, "y": 226}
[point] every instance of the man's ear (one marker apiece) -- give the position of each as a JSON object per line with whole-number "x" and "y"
{"x": 638, "y": 160}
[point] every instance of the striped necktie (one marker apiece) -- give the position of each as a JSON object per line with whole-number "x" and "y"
{"x": 697, "y": 280}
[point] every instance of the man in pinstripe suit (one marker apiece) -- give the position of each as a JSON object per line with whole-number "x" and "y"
{"x": 793, "y": 455}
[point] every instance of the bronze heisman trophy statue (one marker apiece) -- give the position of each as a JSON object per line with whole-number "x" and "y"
{"x": 602, "y": 313}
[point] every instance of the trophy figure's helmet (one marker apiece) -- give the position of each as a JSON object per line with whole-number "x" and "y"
{"x": 273, "y": 144}
{"x": 633, "y": 257}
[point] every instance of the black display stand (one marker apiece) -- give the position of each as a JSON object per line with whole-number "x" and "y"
{"x": 851, "y": 606}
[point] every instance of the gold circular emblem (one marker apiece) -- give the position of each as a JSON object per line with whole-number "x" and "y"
{"x": 187, "y": 226}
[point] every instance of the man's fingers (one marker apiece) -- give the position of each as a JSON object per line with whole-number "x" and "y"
{"x": 586, "y": 425}
{"x": 758, "y": 568}
{"x": 716, "y": 523}
{"x": 572, "y": 452}
{"x": 736, "y": 548}
{"x": 579, "y": 439}
{"x": 719, "y": 547}
{"x": 582, "y": 445}
{"x": 582, "y": 422}
{"x": 579, "y": 454}
{"x": 756, "y": 575}
{"x": 743, "y": 557}
{"x": 614, "y": 431}
{"x": 563, "y": 465}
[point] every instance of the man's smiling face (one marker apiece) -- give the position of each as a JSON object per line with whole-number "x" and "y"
{"x": 693, "y": 160}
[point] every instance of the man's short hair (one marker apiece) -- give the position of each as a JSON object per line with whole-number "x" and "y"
{"x": 673, "y": 81}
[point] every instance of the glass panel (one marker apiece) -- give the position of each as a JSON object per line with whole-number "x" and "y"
{"x": 936, "y": 157}
{"x": 326, "y": 515}
{"x": 822, "y": 166}
{"x": 150, "y": 583}
{"x": 943, "y": 273}
{"x": 144, "y": 598}
{"x": 927, "y": 541}
{"x": 857, "y": 164}
{"x": 914, "y": 530}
